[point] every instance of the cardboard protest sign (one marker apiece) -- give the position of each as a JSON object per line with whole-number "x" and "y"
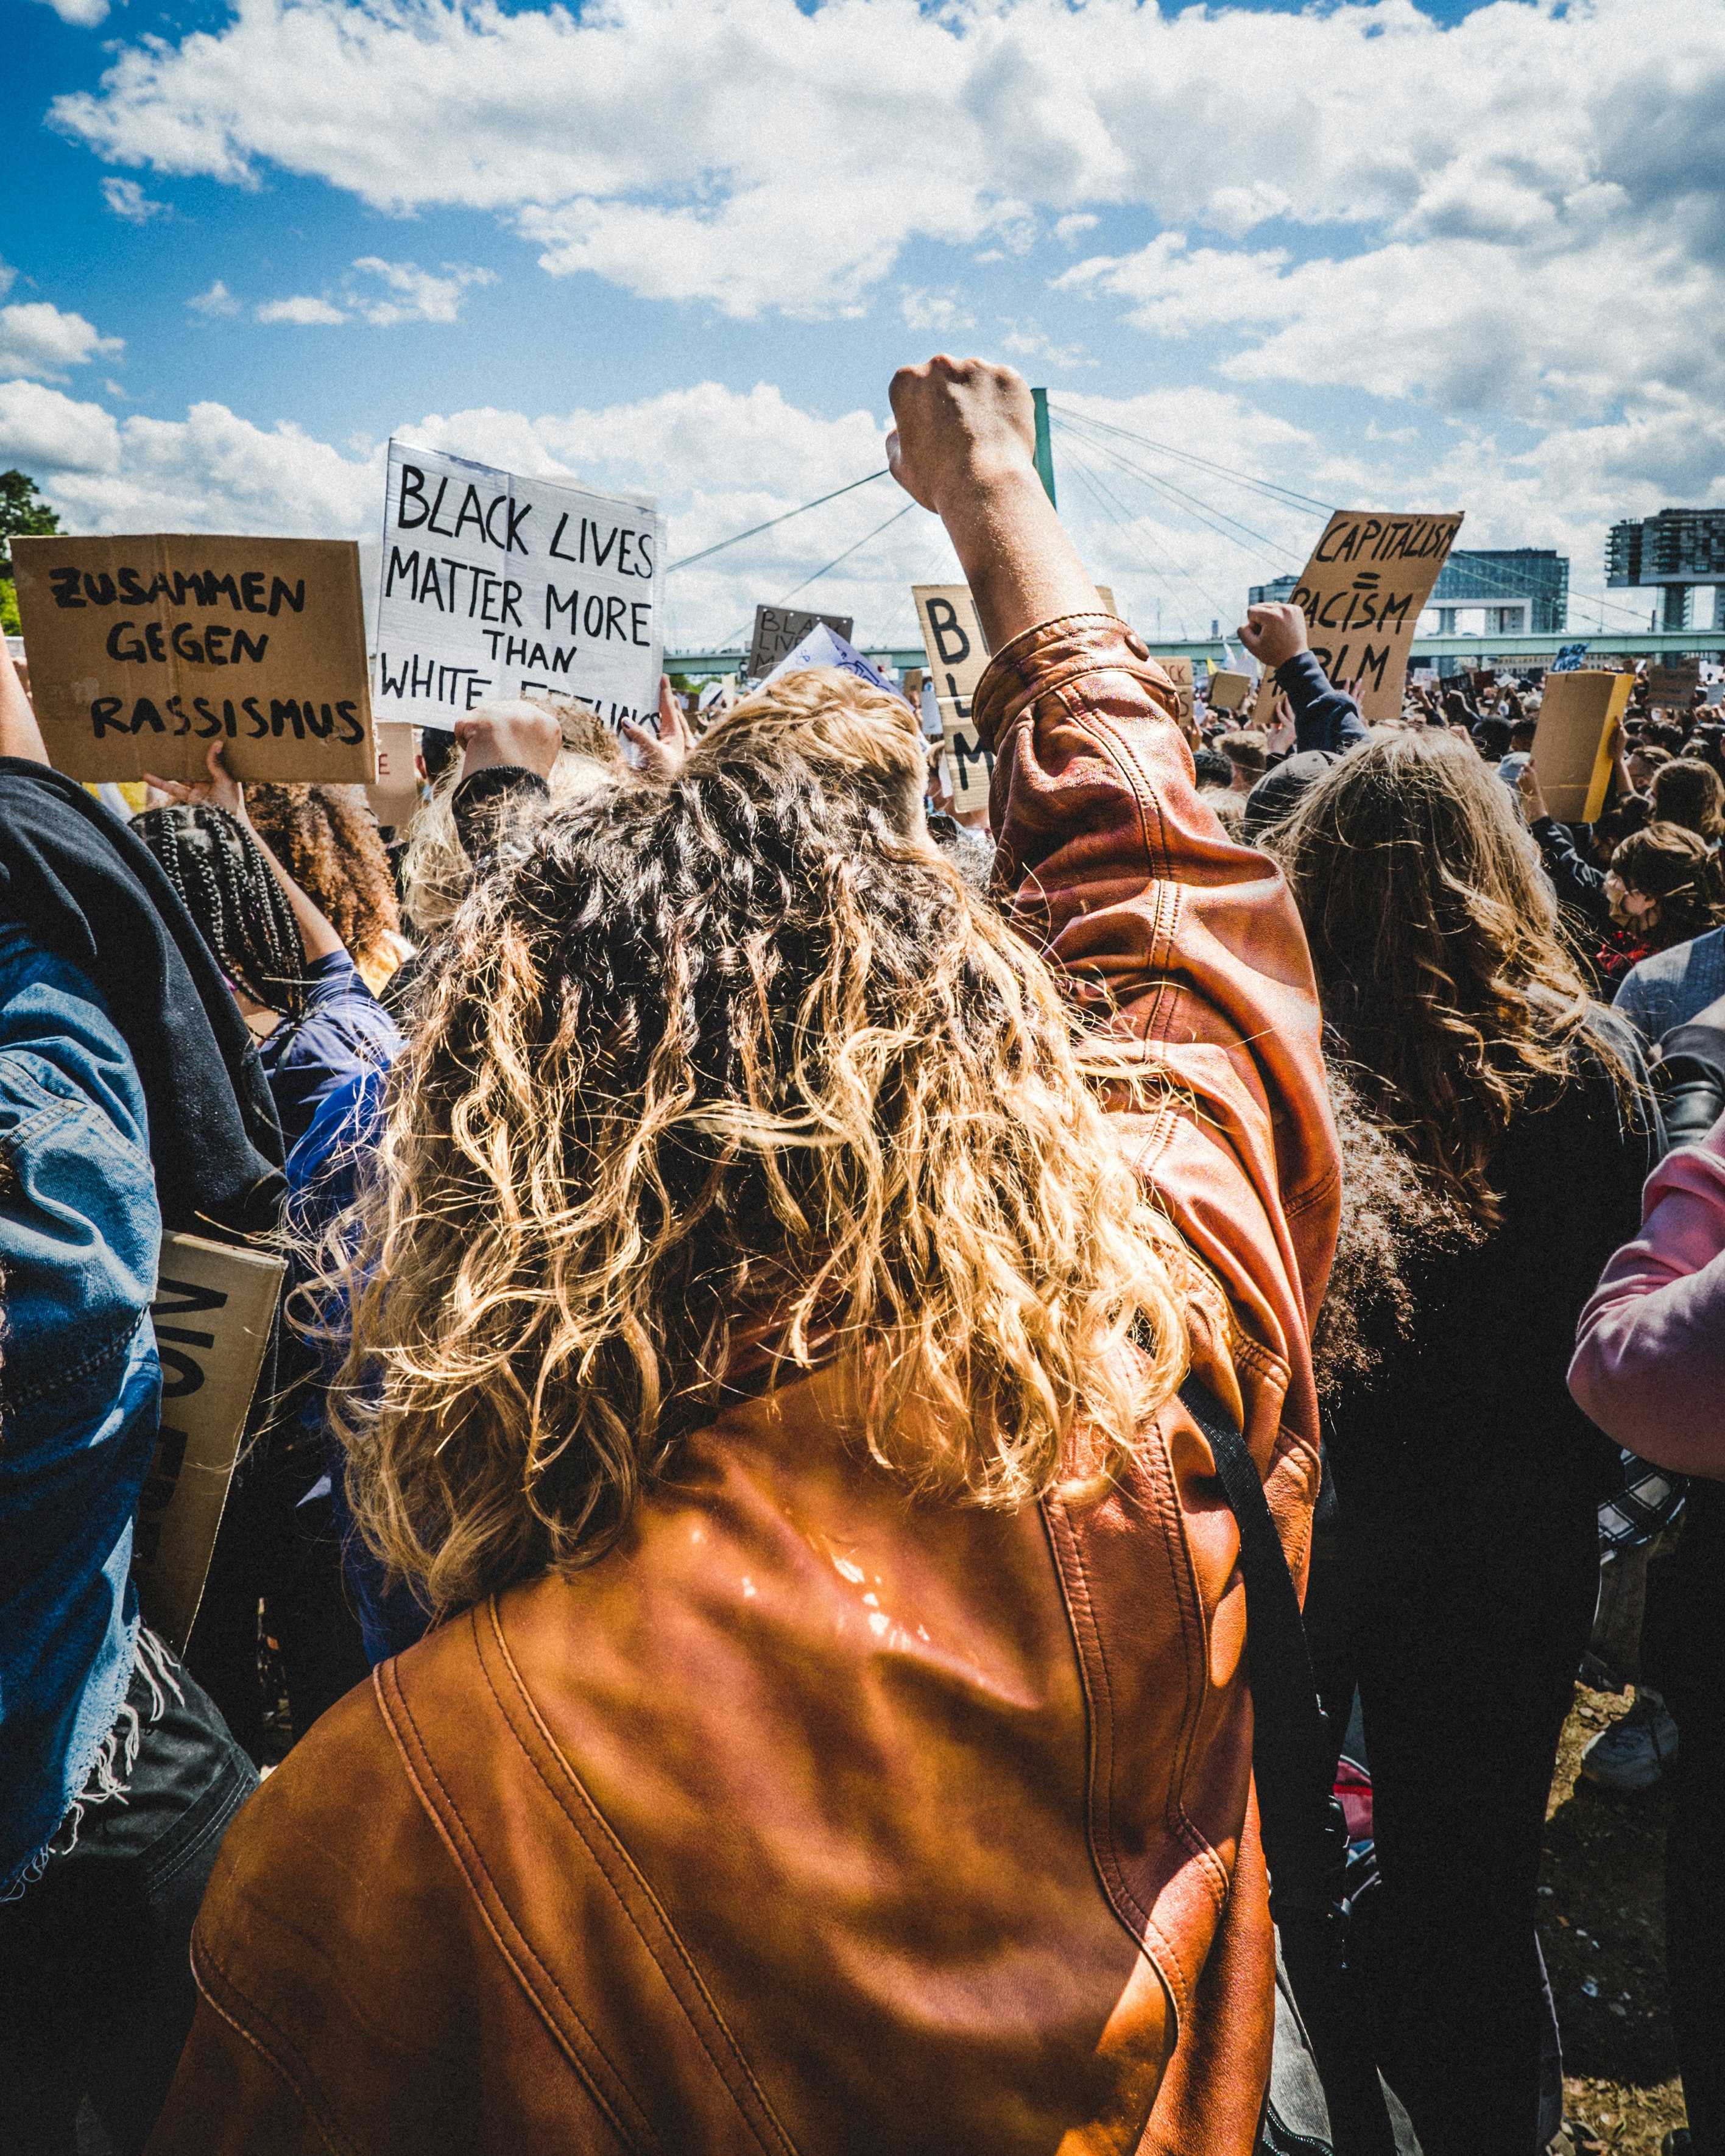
{"x": 1670, "y": 683}
{"x": 780, "y": 630}
{"x": 495, "y": 586}
{"x": 1361, "y": 593}
{"x": 212, "y": 1311}
{"x": 395, "y": 795}
{"x": 1571, "y": 743}
{"x": 958, "y": 659}
{"x": 821, "y": 647}
{"x": 144, "y": 650}
{"x": 1177, "y": 667}
{"x": 1229, "y": 691}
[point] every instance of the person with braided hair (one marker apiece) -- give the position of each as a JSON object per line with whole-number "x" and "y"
{"x": 317, "y": 1024}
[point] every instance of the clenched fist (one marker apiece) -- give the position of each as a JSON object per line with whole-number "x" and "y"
{"x": 961, "y": 423}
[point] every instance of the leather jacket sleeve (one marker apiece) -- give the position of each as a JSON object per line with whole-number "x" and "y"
{"x": 1111, "y": 863}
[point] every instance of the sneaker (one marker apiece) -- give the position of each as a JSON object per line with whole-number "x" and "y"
{"x": 1635, "y": 1750}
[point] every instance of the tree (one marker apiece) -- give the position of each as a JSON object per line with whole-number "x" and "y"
{"x": 22, "y": 511}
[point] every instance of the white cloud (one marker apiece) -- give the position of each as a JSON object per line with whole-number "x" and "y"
{"x": 82, "y": 14}
{"x": 1069, "y": 230}
{"x": 304, "y": 310}
{"x": 128, "y": 199}
{"x": 44, "y": 431}
{"x": 409, "y": 294}
{"x": 412, "y": 295}
{"x": 214, "y": 304}
{"x": 37, "y": 338}
{"x": 941, "y": 312}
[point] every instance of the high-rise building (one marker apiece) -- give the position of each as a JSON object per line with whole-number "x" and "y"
{"x": 1679, "y": 551}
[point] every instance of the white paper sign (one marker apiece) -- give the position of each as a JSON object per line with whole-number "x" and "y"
{"x": 824, "y": 647}
{"x": 492, "y": 585}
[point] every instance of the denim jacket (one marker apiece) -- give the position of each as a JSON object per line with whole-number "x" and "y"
{"x": 80, "y": 1383}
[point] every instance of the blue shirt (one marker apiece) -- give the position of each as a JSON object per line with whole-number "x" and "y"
{"x": 1673, "y": 986}
{"x": 81, "y": 1388}
{"x": 344, "y": 1031}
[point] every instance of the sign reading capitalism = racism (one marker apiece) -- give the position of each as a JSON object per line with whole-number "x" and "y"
{"x": 495, "y": 586}
{"x": 1361, "y": 593}
{"x": 144, "y": 650}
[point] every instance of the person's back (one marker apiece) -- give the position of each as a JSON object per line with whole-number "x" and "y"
{"x": 844, "y": 1742}
{"x": 1673, "y": 985}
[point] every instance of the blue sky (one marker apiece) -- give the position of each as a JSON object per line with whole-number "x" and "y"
{"x": 1394, "y": 256}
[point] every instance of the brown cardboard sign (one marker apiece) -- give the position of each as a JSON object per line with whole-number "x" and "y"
{"x": 780, "y": 630}
{"x": 958, "y": 659}
{"x": 1229, "y": 691}
{"x": 1572, "y": 757}
{"x": 1361, "y": 593}
{"x": 1177, "y": 667}
{"x": 1671, "y": 684}
{"x": 144, "y": 650}
{"x": 394, "y": 795}
{"x": 212, "y": 1311}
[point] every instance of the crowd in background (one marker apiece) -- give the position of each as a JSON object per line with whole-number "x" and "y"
{"x": 1523, "y": 1021}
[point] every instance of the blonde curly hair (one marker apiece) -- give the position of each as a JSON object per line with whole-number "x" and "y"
{"x": 715, "y": 1083}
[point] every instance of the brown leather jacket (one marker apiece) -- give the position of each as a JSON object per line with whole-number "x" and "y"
{"x": 813, "y": 1820}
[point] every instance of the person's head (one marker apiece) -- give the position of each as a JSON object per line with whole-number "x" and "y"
{"x": 1435, "y": 934}
{"x": 1641, "y": 763}
{"x": 1665, "y": 884}
{"x": 230, "y": 891}
{"x": 833, "y": 717}
{"x": 1663, "y": 734}
{"x": 1244, "y": 751}
{"x": 1521, "y": 734}
{"x": 715, "y": 1083}
{"x": 1491, "y": 737}
{"x": 435, "y": 870}
{"x": 1688, "y": 792}
{"x": 327, "y": 838}
{"x": 1212, "y": 769}
{"x": 1277, "y": 793}
{"x": 1628, "y": 811}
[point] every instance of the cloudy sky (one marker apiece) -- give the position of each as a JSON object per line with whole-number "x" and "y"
{"x": 1385, "y": 255}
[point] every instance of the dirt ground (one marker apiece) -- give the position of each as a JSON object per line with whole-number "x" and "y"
{"x": 1602, "y": 1929}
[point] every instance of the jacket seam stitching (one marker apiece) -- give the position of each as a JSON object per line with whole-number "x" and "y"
{"x": 617, "y": 1894}
{"x": 311, "y": 2100}
{"x": 563, "y": 2042}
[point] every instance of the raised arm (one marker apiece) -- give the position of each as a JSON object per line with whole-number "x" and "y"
{"x": 1112, "y": 865}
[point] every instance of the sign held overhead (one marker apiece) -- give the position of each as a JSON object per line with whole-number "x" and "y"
{"x": 781, "y": 630}
{"x": 144, "y": 650}
{"x": 492, "y": 585}
{"x": 1361, "y": 593}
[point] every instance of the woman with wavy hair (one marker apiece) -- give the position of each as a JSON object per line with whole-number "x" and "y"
{"x": 767, "y": 1316}
{"x": 1469, "y": 1483}
{"x": 327, "y": 838}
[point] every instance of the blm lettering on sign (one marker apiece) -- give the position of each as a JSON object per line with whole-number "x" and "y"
{"x": 145, "y": 650}
{"x": 958, "y": 659}
{"x": 492, "y": 585}
{"x": 778, "y": 630}
{"x": 213, "y": 1310}
{"x": 1361, "y": 592}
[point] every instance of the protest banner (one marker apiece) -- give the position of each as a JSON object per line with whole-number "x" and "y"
{"x": 1229, "y": 691}
{"x": 1177, "y": 667}
{"x": 1362, "y": 591}
{"x": 212, "y": 1311}
{"x": 1572, "y": 740}
{"x": 495, "y": 586}
{"x": 824, "y": 647}
{"x": 1672, "y": 682}
{"x": 958, "y": 658}
{"x": 1570, "y": 658}
{"x": 780, "y": 630}
{"x": 144, "y": 649}
{"x": 394, "y": 794}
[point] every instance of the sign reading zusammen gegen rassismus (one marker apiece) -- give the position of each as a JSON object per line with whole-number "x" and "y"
{"x": 145, "y": 650}
{"x": 1361, "y": 593}
{"x": 494, "y": 586}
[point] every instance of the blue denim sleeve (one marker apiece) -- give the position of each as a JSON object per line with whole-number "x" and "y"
{"x": 80, "y": 1386}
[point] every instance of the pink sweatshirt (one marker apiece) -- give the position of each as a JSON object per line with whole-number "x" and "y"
{"x": 1650, "y": 1368}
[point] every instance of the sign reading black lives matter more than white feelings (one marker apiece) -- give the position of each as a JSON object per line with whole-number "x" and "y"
{"x": 495, "y": 586}
{"x": 781, "y": 630}
{"x": 1361, "y": 593}
{"x": 144, "y": 650}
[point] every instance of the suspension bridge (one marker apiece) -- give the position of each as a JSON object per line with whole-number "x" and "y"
{"x": 1122, "y": 479}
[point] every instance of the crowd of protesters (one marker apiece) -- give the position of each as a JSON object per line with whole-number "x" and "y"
{"x": 725, "y": 1632}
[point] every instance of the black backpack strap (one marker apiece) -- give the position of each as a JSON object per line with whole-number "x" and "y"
{"x": 1305, "y": 1833}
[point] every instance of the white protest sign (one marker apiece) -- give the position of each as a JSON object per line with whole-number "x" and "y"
{"x": 824, "y": 647}
{"x": 493, "y": 585}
